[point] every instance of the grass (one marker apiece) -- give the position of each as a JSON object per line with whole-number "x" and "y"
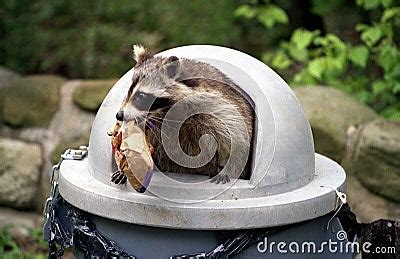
{"x": 90, "y": 93}
{"x": 31, "y": 247}
{"x": 30, "y": 101}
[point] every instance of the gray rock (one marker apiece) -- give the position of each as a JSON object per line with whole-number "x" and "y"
{"x": 373, "y": 156}
{"x": 331, "y": 112}
{"x": 6, "y": 76}
{"x": 368, "y": 206}
{"x": 20, "y": 218}
{"x": 20, "y": 165}
{"x": 69, "y": 126}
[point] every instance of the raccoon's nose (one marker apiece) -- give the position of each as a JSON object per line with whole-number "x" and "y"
{"x": 120, "y": 115}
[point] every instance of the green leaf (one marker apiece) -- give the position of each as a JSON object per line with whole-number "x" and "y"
{"x": 361, "y": 27}
{"x": 393, "y": 74}
{"x": 336, "y": 47}
{"x": 267, "y": 57}
{"x": 271, "y": 14}
{"x": 324, "y": 7}
{"x": 336, "y": 41}
{"x": 371, "y": 4}
{"x": 331, "y": 65}
{"x": 304, "y": 78}
{"x": 396, "y": 88}
{"x": 371, "y": 35}
{"x": 317, "y": 67}
{"x": 392, "y": 112}
{"x": 321, "y": 41}
{"x": 386, "y": 3}
{"x": 387, "y": 57}
{"x": 359, "y": 56}
{"x": 335, "y": 64}
{"x": 298, "y": 54}
{"x": 379, "y": 87}
{"x": 368, "y": 4}
{"x": 387, "y": 30}
{"x": 363, "y": 96}
{"x": 281, "y": 60}
{"x": 246, "y": 11}
{"x": 390, "y": 13}
{"x": 302, "y": 38}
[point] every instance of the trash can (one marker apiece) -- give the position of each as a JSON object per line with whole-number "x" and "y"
{"x": 291, "y": 188}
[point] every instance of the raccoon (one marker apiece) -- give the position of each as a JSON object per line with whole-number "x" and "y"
{"x": 219, "y": 109}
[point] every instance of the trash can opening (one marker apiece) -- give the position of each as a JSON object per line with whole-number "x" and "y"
{"x": 288, "y": 181}
{"x": 282, "y": 151}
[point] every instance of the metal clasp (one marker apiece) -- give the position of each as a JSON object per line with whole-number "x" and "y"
{"x": 341, "y": 199}
{"x": 75, "y": 154}
{"x": 69, "y": 154}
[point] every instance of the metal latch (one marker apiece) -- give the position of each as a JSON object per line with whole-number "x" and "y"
{"x": 75, "y": 154}
{"x": 341, "y": 199}
{"x": 69, "y": 154}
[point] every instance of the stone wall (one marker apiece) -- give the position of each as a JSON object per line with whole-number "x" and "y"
{"x": 367, "y": 146}
{"x": 28, "y": 150}
{"x": 35, "y": 131}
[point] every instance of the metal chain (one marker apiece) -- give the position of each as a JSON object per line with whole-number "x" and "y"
{"x": 69, "y": 154}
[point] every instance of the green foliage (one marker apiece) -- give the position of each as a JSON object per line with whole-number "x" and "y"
{"x": 37, "y": 236}
{"x": 30, "y": 101}
{"x": 86, "y": 39}
{"x": 34, "y": 248}
{"x": 8, "y": 248}
{"x": 369, "y": 68}
{"x": 372, "y": 4}
{"x": 350, "y": 45}
{"x": 267, "y": 14}
{"x": 90, "y": 93}
{"x": 359, "y": 55}
{"x": 323, "y": 7}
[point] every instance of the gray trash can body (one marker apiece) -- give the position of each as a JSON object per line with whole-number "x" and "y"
{"x": 153, "y": 242}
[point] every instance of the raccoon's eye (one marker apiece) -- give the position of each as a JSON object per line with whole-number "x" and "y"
{"x": 143, "y": 100}
{"x": 140, "y": 96}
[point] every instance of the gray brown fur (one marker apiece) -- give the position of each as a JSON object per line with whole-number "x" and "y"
{"x": 206, "y": 86}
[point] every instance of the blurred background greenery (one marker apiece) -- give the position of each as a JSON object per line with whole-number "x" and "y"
{"x": 350, "y": 45}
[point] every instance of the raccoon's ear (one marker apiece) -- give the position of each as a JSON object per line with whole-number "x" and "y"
{"x": 140, "y": 54}
{"x": 171, "y": 66}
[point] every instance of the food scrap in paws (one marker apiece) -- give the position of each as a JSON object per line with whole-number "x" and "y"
{"x": 132, "y": 155}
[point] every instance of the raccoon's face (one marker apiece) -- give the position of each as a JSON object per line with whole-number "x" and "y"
{"x": 155, "y": 88}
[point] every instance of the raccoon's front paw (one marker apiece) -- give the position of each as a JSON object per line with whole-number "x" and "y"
{"x": 118, "y": 177}
{"x": 220, "y": 178}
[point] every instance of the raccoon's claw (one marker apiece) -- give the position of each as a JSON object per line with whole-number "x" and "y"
{"x": 118, "y": 177}
{"x": 220, "y": 178}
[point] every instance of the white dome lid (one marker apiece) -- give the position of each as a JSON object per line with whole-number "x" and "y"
{"x": 285, "y": 170}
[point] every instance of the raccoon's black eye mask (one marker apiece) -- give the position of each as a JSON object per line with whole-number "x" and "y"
{"x": 149, "y": 102}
